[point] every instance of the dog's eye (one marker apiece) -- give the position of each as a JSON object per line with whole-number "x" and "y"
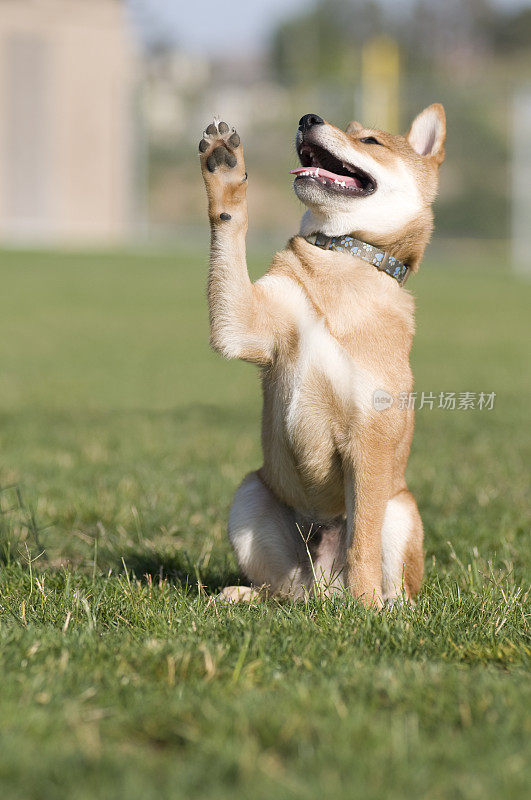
{"x": 370, "y": 140}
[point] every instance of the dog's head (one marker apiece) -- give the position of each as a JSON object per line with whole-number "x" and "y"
{"x": 374, "y": 185}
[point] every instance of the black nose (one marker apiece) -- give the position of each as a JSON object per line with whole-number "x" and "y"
{"x": 308, "y": 121}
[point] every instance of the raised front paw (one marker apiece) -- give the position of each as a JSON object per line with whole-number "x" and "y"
{"x": 218, "y": 146}
{"x": 223, "y": 168}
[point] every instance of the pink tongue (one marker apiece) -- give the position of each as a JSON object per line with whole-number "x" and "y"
{"x": 319, "y": 172}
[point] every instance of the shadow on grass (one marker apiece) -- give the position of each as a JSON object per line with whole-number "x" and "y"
{"x": 180, "y": 570}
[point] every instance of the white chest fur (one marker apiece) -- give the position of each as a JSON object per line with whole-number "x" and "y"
{"x": 318, "y": 353}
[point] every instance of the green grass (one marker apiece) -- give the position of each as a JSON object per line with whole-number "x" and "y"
{"x": 123, "y": 438}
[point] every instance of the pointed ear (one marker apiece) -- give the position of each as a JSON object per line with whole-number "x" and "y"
{"x": 428, "y": 132}
{"x": 354, "y": 126}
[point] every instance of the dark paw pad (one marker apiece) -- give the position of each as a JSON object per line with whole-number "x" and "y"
{"x": 219, "y": 154}
{"x": 223, "y": 140}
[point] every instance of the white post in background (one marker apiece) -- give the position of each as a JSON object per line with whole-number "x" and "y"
{"x": 521, "y": 181}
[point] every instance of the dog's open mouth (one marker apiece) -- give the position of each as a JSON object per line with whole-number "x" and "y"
{"x": 320, "y": 165}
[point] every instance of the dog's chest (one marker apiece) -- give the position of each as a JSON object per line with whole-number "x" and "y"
{"x": 315, "y": 394}
{"x": 320, "y": 380}
{"x": 324, "y": 383}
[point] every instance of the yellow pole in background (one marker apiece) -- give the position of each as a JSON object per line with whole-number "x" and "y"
{"x": 380, "y": 81}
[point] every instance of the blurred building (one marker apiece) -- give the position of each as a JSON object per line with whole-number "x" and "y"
{"x": 171, "y": 82}
{"x": 66, "y": 163}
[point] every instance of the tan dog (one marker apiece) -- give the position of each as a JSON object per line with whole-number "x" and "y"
{"x": 330, "y": 332}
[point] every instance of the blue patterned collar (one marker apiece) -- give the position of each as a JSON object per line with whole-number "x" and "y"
{"x": 380, "y": 259}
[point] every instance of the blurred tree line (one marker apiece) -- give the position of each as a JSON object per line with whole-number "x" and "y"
{"x": 470, "y": 55}
{"x": 323, "y": 41}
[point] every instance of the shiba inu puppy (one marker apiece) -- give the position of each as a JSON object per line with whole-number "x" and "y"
{"x": 330, "y": 327}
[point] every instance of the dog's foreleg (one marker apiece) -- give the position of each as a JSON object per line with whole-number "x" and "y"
{"x": 368, "y": 477}
{"x": 239, "y": 324}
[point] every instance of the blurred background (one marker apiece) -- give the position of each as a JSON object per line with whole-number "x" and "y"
{"x": 102, "y": 104}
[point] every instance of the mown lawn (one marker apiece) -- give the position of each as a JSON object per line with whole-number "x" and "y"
{"x": 122, "y": 439}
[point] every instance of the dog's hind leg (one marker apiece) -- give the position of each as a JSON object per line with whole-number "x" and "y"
{"x": 268, "y": 544}
{"x": 279, "y": 551}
